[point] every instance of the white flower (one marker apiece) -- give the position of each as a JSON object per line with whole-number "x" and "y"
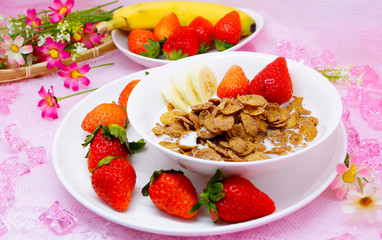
{"x": 14, "y": 48}
{"x": 366, "y": 203}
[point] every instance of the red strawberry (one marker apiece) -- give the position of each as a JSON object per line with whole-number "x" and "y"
{"x": 114, "y": 181}
{"x": 143, "y": 42}
{"x": 166, "y": 25}
{"x": 273, "y": 82}
{"x": 172, "y": 192}
{"x": 104, "y": 114}
{"x": 182, "y": 43}
{"x": 203, "y": 28}
{"x": 227, "y": 31}
{"x": 236, "y": 199}
{"x": 125, "y": 94}
{"x": 106, "y": 141}
{"x": 234, "y": 83}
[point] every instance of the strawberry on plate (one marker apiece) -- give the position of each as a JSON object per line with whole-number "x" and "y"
{"x": 166, "y": 25}
{"x": 233, "y": 84}
{"x": 273, "y": 82}
{"x": 114, "y": 181}
{"x": 104, "y": 114}
{"x": 143, "y": 42}
{"x": 234, "y": 199}
{"x": 172, "y": 192}
{"x": 203, "y": 28}
{"x": 106, "y": 141}
{"x": 182, "y": 43}
{"x": 227, "y": 31}
{"x": 125, "y": 94}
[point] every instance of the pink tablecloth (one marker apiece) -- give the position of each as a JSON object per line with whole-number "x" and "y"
{"x": 351, "y": 30}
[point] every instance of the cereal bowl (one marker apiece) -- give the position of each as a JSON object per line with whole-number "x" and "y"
{"x": 146, "y": 105}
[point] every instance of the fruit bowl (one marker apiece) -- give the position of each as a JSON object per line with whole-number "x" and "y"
{"x": 120, "y": 39}
{"x": 146, "y": 105}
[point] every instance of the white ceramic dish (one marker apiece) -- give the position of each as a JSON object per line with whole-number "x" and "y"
{"x": 320, "y": 96}
{"x": 120, "y": 39}
{"x": 290, "y": 188}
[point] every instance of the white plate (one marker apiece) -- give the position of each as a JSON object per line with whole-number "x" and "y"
{"x": 121, "y": 41}
{"x": 291, "y": 188}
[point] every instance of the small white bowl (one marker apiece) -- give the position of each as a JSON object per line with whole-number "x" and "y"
{"x": 146, "y": 105}
{"x": 120, "y": 39}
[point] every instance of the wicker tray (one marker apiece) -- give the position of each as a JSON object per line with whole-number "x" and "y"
{"x": 39, "y": 69}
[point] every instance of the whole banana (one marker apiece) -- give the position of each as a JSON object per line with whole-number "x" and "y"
{"x": 146, "y": 15}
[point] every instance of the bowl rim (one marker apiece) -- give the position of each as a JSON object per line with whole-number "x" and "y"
{"x": 271, "y": 57}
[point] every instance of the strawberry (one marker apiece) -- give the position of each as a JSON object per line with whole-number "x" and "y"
{"x": 114, "y": 181}
{"x": 166, "y": 25}
{"x": 104, "y": 114}
{"x": 106, "y": 141}
{"x": 273, "y": 82}
{"x": 143, "y": 42}
{"x": 234, "y": 83}
{"x": 203, "y": 28}
{"x": 172, "y": 192}
{"x": 227, "y": 31}
{"x": 234, "y": 199}
{"x": 125, "y": 94}
{"x": 182, "y": 43}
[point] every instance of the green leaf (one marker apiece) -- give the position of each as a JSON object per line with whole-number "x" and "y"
{"x": 89, "y": 138}
{"x": 152, "y": 48}
{"x": 104, "y": 161}
{"x": 134, "y": 146}
{"x": 221, "y": 45}
{"x": 203, "y": 48}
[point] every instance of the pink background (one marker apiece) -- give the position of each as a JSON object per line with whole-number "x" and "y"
{"x": 351, "y": 30}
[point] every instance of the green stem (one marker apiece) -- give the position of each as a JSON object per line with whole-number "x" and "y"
{"x": 360, "y": 185}
{"x": 102, "y": 65}
{"x": 75, "y": 94}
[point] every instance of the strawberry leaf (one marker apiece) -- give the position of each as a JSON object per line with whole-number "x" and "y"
{"x": 221, "y": 45}
{"x": 134, "y": 146}
{"x": 89, "y": 138}
{"x": 152, "y": 49}
{"x": 203, "y": 48}
{"x": 211, "y": 194}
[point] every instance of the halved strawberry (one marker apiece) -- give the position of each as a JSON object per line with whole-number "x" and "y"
{"x": 273, "y": 82}
{"x": 234, "y": 83}
{"x": 166, "y": 25}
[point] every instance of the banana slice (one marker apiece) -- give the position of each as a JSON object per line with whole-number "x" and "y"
{"x": 182, "y": 83}
{"x": 171, "y": 94}
{"x": 203, "y": 81}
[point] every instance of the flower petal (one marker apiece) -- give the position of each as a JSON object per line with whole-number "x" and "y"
{"x": 26, "y": 49}
{"x": 84, "y": 81}
{"x": 19, "y": 41}
{"x": 8, "y": 40}
{"x": 19, "y": 59}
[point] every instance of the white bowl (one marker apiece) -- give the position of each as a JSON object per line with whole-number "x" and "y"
{"x": 121, "y": 41}
{"x": 146, "y": 105}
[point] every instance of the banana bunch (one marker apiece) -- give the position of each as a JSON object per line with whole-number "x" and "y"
{"x": 195, "y": 85}
{"x": 146, "y": 15}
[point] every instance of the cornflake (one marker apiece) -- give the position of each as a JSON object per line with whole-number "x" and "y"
{"x": 237, "y": 130}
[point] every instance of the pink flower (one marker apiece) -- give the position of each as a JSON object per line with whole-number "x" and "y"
{"x": 32, "y": 20}
{"x": 347, "y": 178}
{"x": 14, "y": 49}
{"x": 48, "y": 103}
{"x": 88, "y": 36}
{"x": 53, "y": 52}
{"x": 75, "y": 74}
{"x": 61, "y": 10}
